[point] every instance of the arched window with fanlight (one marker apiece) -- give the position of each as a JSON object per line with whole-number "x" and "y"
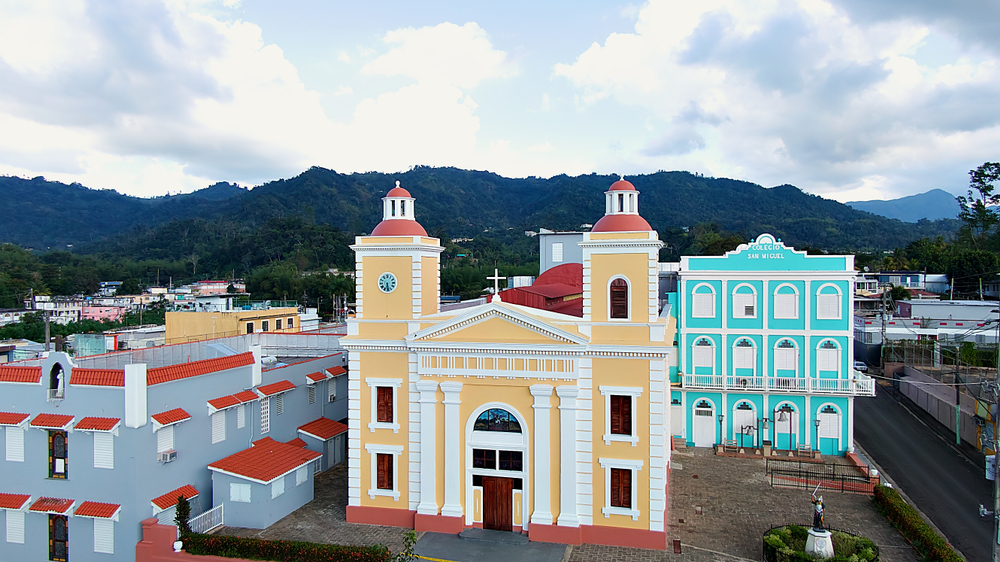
{"x": 744, "y": 358}
{"x": 828, "y": 359}
{"x": 619, "y": 298}
{"x": 703, "y": 357}
{"x": 786, "y": 359}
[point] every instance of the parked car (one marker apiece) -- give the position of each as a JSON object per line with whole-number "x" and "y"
{"x": 861, "y": 366}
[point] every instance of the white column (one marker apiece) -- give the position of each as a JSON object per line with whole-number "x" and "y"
{"x": 567, "y": 455}
{"x": 428, "y": 448}
{"x": 453, "y": 480}
{"x": 542, "y": 515}
{"x": 850, "y": 424}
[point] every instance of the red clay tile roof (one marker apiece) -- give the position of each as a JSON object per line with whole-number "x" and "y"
{"x": 51, "y": 505}
{"x": 171, "y": 416}
{"x": 20, "y": 374}
{"x": 316, "y": 377}
{"x": 53, "y": 421}
{"x": 224, "y": 402}
{"x": 323, "y": 428}
{"x": 337, "y": 371}
{"x": 271, "y": 389}
{"x": 246, "y": 396}
{"x": 96, "y": 509}
{"x": 297, "y": 443}
{"x": 197, "y": 368}
{"x": 263, "y": 441}
{"x": 97, "y": 424}
{"x": 170, "y": 498}
{"x": 13, "y": 501}
{"x": 97, "y": 377}
{"x": 10, "y": 418}
{"x": 265, "y": 462}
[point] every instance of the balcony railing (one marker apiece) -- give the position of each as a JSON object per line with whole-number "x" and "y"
{"x": 857, "y": 385}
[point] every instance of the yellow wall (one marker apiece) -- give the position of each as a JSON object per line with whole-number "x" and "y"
{"x": 394, "y": 366}
{"x": 194, "y": 326}
{"x": 428, "y": 288}
{"x": 382, "y": 330}
{"x": 397, "y": 304}
{"x": 635, "y": 267}
{"x": 496, "y": 330}
{"x": 619, "y": 236}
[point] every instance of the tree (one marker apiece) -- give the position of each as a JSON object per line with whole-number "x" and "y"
{"x": 899, "y": 293}
{"x": 181, "y": 516}
{"x": 977, "y": 209}
{"x": 129, "y": 286}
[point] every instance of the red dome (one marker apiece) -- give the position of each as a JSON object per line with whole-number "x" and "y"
{"x": 399, "y": 227}
{"x": 621, "y": 223}
{"x": 622, "y": 185}
{"x": 398, "y": 192}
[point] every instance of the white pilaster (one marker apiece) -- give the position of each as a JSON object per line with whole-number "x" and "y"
{"x": 428, "y": 448}
{"x": 850, "y": 425}
{"x": 567, "y": 455}
{"x": 354, "y": 428}
{"x": 810, "y": 428}
{"x": 452, "y": 470}
{"x": 543, "y": 512}
{"x": 659, "y": 448}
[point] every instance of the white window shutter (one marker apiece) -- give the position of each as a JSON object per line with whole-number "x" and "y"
{"x": 300, "y": 475}
{"x": 239, "y": 492}
{"x": 784, "y": 306}
{"x": 104, "y": 450}
{"x": 241, "y": 416}
{"x": 828, "y": 306}
{"x": 165, "y": 439}
{"x": 557, "y": 252}
{"x": 279, "y": 404}
{"x": 104, "y": 536}
{"x": 15, "y": 526}
{"x": 743, "y": 358}
{"x": 265, "y": 414}
{"x": 15, "y": 444}
{"x": 219, "y": 426}
{"x": 784, "y": 359}
{"x": 703, "y": 305}
{"x": 166, "y": 517}
{"x": 703, "y": 355}
{"x": 743, "y": 306}
{"x": 331, "y": 389}
{"x": 829, "y": 426}
{"x": 278, "y": 487}
{"x": 827, "y": 360}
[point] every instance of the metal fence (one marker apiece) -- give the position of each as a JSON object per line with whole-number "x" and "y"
{"x": 832, "y": 477}
{"x": 211, "y": 519}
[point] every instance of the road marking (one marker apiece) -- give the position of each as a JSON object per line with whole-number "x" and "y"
{"x": 432, "y": 559}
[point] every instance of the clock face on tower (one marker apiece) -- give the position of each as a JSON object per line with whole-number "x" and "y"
{"x": 387, "y": 282}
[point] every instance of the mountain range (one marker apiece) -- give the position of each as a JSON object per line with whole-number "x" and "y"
{"x": 933, "y": 205}
{"x": 49, "y": 215}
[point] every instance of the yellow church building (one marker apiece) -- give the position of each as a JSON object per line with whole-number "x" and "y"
{"x": 503, "y": 416}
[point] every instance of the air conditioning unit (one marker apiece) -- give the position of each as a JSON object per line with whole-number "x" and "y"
{"x": 166, "y": 456}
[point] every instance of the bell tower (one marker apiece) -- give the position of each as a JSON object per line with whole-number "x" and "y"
{"x": 397, "y": 269}
{"x": 620, "y": 272}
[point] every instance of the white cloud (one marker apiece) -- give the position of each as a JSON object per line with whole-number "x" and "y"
{"x": 446, "y": 53}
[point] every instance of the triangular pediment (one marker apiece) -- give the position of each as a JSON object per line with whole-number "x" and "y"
{"x": 496, "y": 323}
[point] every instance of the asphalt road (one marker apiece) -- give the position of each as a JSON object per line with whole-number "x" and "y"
{"x": 916, "y": 454}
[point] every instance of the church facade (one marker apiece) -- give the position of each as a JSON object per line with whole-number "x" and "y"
{"x": 507, "y": 417}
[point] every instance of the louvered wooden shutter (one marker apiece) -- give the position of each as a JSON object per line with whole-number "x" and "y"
{"x": 384, "y": 404}
{"x": 621, "y": 415}
{"x": 621, "y": 488}
{"x": 616, "y": 414}
{"x": 15, "y": 444}
{"x": 15, "y": 526}
{"x": 104, "y": 536}
{"x": 384, "y": 471}
{"x": 218, "y": 426}
{"x": 619, "y": 299}
{"x": 104, "y": 450}
{"x": 165, "y": 439}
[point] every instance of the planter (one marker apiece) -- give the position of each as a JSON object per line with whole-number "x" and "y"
{"x": 788, "y": 544}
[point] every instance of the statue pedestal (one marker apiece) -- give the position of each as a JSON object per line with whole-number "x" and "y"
{"x": 819, "y": 543}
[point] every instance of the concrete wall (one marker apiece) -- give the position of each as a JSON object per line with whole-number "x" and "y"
{"x": 261, "y": 511}
{"x": 939, "y": 401}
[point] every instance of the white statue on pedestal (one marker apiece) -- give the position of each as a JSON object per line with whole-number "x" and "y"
{"x": 820, "y": 542}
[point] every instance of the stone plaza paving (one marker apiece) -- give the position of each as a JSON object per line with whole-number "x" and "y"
{"x": 719, "y": 509}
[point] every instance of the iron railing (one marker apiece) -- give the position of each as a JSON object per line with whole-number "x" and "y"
{"x": 211, "y": 519}
{"x": 832, "y": 477}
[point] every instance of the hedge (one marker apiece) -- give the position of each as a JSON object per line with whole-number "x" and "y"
{"x": 909, "y": 523}
{"x": 282, "y": 551}
{"x": 787, "y": 544}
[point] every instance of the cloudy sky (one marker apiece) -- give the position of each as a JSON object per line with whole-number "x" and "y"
{"x": 849, "y": 99}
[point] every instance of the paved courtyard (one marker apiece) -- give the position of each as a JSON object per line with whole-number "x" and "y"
{"x": 736, "y": 507}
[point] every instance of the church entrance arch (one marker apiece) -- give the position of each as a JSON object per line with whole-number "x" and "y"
{"x": 497, "y": 468}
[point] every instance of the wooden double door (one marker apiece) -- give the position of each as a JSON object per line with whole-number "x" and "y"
{"x": 498, "y": 501}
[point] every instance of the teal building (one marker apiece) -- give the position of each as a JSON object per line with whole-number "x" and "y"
{"x": 765, "y": 350}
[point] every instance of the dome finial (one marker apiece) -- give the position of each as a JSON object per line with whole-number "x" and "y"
{"x": 621, "y": 177}
{"x": 397, "y": 183}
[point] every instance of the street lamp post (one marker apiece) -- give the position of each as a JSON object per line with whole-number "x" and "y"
{"x": 816, "y": 423}
{"x": 722, "y": 437}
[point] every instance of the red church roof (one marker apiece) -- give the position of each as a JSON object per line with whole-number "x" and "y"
{"x": 399, "y": 227}
{"x": 621, "y": 223}
{"x": 552, "y": 291}
{"x": 622, "y": 185}
{"x": 398, "y": 192}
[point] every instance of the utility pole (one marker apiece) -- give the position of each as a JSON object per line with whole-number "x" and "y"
{"x": 46, "y": 330}
{"x": 996, "y": 445}
{"x": 882, "y": 327}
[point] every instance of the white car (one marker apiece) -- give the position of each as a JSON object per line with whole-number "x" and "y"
{"x": 861, "y": 366}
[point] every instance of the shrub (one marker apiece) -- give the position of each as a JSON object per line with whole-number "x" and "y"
{"x": 182, "y": 516}
{"x": 282, "y": 551}
{"x": 788, "y": 543}
{"x": 906, "y": 519}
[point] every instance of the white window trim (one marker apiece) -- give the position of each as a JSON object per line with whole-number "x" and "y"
{"x": 839, "y": 422}
{"x": 15, "y": 525}
{"x": 628, "y": 299}
{"x": 14, "y": 454}
{"x": 694, "y": 292}
{"x": 239, "y": 487}
{"x": 840, "y": 302}
{"x": 753, "y": 293}
{"x": 607, "y": 392}
{"x": 795, "y": 293}
{"x": 628, "y": 464}
{"x": 396, "y": 451}
{"x": 394, "y": 384}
